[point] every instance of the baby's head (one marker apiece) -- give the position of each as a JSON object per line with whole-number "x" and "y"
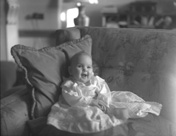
{"x": 81, "y": 67}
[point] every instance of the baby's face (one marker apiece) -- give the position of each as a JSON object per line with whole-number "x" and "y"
{"x": 81, "y": 69}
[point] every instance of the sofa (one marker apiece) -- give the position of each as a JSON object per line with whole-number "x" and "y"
{"x": 10, "y": 77}
{"x": 142, "y": 61}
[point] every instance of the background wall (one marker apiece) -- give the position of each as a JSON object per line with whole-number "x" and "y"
{"x": 50, "y": 21}
{"x": 49, "y": 8}
{"x": 3, "y": 48}
{"x": 46, "y": 7}
{"x": 37, "y": 18}
{"x": 34, "y": 32}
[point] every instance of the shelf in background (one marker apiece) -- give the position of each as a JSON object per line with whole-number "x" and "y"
{"x": 35, "y": 33}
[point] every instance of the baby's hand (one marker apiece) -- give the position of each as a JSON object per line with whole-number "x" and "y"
{"x": 96, "y": 95}
{"x": 94, "y": 103}
{"x": 100, "y": 105}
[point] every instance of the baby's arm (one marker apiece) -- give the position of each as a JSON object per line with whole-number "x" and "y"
{"x": 98, "y": 104}
{"x": 73, "y": 98}
{"x": 103, "y": 95}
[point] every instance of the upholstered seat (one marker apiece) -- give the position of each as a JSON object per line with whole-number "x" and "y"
{"x": 137, "y": 60}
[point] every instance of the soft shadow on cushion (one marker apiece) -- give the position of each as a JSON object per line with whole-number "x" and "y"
{"x": 43, "y": 70}
{"x": 84, "y": 44}
{"x": 75, "y": 46}
{"x": 36, "y": 125}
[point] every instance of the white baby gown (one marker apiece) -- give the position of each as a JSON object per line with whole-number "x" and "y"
{"x": 74, "y": 113}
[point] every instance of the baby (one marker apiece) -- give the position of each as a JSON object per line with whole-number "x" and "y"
{"x": 88, "y": 105}
{"x": 83, "y": 88}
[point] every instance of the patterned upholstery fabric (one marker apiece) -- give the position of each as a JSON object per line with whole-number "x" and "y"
{"x": 139, "y": 60}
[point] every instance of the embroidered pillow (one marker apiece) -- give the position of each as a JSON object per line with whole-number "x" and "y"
{"x": 44, "y": 69}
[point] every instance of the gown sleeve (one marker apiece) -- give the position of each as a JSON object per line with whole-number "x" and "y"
{"x": 73, "y": 96}
{"x": 104, "y": 94}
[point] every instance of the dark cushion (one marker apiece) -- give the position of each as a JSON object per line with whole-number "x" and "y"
{"x": 120, "y": 130}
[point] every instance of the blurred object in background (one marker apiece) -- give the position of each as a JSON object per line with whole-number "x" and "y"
{"x": 82, "y": 19}
{"x": 77, "y": 16}
{"x": 163, "y": 23}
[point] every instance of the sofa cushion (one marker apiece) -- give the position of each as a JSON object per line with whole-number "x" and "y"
{"x": 36, "y": 125}
{"x": 44, "y": 69}
{"x": 65, "y": 35}
{"x": 114, "y": 77}
{"x": 14, "y": 112}
{"x": 49, "y": 130}
{"x": 152, "y": 54}
{"x": 75, "y": 46}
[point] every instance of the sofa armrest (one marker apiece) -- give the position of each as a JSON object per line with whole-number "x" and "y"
{"x": 13, "y": 90}
{"x": 15, "y": 112}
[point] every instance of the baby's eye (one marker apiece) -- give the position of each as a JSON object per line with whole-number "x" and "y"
{"x": 89, "y": 67}
{"x": 79, "y": 66}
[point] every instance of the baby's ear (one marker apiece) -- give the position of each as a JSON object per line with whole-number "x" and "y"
{"x": 69, "y": 70}
{"x": 93, "y": 73}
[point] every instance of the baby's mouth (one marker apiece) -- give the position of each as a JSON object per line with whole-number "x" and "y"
{"x": 84, "y": 75}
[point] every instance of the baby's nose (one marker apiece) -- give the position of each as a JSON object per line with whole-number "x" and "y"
{"x": 84, "y": 68}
